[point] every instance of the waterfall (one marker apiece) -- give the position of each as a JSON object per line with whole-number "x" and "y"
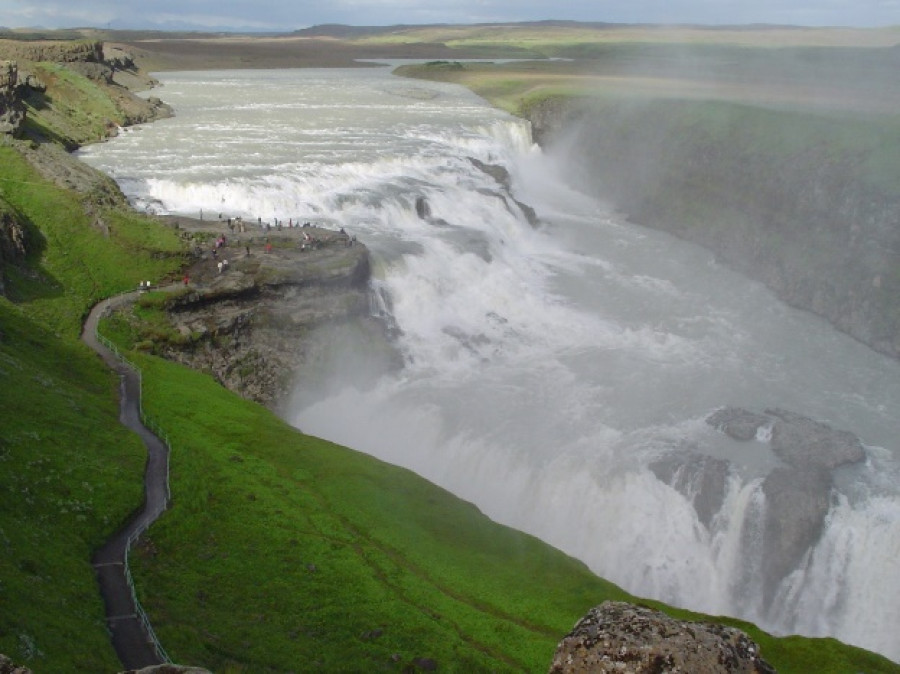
{"x": 550, "y": 369}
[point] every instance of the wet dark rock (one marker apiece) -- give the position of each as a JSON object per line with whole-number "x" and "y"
{"x": 622, "y": 637}
{"x": 802, "y": 442}
{"x": 502, "y": 177}
{"x": 700, "y": 478}
{"x": 423, "y": 208}
{"x": 738, "y": 423}
{"x": 497, "y": 172}
{"x": 796, "y": 506}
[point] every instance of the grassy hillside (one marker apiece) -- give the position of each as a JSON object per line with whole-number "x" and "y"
{"x": 281, "y": 552}
{"x": 71, "y": 473}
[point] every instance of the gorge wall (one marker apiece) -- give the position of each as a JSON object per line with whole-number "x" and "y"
{"x": 805, "y": 203}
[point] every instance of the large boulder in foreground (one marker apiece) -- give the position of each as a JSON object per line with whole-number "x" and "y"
{"x": 628, "y": 639}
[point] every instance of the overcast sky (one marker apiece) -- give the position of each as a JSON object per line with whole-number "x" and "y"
{"x": 288, "y": 15}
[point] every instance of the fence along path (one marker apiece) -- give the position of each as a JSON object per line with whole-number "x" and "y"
{"x": 130, "y": 630}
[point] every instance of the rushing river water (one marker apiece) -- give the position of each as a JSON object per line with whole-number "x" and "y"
{"x": 544, "y": 368}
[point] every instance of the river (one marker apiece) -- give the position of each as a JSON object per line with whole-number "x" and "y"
{"x": 544, "y": 368}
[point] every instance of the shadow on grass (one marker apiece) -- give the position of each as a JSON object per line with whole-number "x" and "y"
{"x": 25, "y": 279}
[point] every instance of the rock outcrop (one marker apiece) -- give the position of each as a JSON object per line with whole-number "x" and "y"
{"x": 50, "y": 96}
{"x": 246, "y": 324}
{"x": 13, "y": 243}
{"x": 53, "y": 51}
{"x": 798, "y": 492}
{"x": 12, "y": 110}
{"x": 624, "y": 638}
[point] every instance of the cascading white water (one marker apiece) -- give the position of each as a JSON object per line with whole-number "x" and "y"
{"x": 544, "y": 368}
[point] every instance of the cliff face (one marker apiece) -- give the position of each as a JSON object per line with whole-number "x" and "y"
{"x": 246, "y": 310}
{"x": 55, "y": 51}
{"x": 794, "y": 201}
{"x": 52, "y": 79}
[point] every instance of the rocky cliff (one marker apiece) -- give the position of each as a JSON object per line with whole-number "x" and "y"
{"x": 55, "y": 51}
{"x": 42, "y": 77}
{"x": 248, "y": 303}
{"x": 804, "y": 203}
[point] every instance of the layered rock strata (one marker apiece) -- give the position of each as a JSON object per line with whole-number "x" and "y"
{"x": 245, "y": 312}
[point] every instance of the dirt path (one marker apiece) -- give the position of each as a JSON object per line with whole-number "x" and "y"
{"x": 131, "y": 638}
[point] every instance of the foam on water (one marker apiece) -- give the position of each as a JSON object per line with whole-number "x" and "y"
{"x": 545, "y": 368}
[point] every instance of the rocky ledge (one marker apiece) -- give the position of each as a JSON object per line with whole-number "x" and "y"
{"x": 252, "y": 295}
{"x": 621, "y": 637}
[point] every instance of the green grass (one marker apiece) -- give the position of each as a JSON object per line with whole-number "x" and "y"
{"x": 74, "y": 110}
{"x": 281, "y": 548}
{"x": 71, "y": 475}
{"x": 322, "y": 547}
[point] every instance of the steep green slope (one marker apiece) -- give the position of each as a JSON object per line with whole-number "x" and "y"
{"x": 283, "y": 551}
{"x": 70, "y": 473}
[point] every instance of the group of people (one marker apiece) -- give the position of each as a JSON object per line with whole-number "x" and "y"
{"x": 308, "y": 240}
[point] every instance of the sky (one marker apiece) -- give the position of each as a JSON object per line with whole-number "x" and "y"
{"x": 289, "y": 15}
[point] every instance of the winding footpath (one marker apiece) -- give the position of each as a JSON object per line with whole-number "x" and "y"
{"x": 131, "y": 634}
